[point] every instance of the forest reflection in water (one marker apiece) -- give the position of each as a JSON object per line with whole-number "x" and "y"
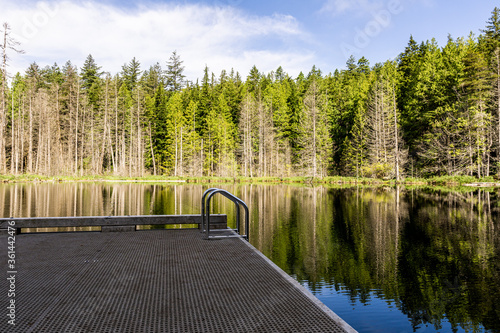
{"x": 384, "y": 259}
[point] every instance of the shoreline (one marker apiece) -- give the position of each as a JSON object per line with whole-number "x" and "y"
{"x": 447, "y": 181}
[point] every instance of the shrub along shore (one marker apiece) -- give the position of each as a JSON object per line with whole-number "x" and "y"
{"x": 338, "y": 180}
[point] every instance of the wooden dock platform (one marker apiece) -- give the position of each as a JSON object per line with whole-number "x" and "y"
{"x": 151, "y": 281}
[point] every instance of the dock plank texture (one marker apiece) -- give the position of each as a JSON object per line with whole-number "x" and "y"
{"x": 154, "y": 281}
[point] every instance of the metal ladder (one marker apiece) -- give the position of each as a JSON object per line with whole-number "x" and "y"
{"x": 205, "y": 215}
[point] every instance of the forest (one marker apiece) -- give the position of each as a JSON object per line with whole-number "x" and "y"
{"x": 433, "y": 110}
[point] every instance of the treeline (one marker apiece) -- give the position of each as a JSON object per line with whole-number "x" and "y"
{"x": 432, "y": 111}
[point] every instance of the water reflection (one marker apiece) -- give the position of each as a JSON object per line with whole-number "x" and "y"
{"x": 384, "y": 259}
{"x": 97, "y": 199}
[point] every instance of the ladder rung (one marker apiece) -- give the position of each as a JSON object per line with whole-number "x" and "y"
{"x": 228, "y": 236}
{"x": 222, "y": 230}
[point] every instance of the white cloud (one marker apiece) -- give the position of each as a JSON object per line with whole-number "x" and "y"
{"x": 359, "y": 7}
{"x": 220, "y": 37}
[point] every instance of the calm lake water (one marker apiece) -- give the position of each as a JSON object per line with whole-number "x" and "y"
{"x": 384, "y": 259}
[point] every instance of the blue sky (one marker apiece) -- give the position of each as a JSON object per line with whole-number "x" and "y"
{"x": 226, "y": 34}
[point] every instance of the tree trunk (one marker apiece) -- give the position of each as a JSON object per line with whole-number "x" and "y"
{"x": 3, "y": 96}
{"x": 396, "y": 144}
{"x": 314, "y": 111}
{"x": 497, "y": 56}
{"x": 12, "y": 142}
{"x": 76, "y": 126}
{"x": 139, "y": 163}
{"x": 30, "y": 146}
{"x": 182, "y": 157}
{"x": 176, "y": 153}
{"x": 152, "y": 152}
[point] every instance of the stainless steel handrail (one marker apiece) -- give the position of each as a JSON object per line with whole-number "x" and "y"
{"x": 205, "y": 210}
{"x": 202, "y": 225}
{"x": 238, "y": 202}
{"x": 227, "y": 195}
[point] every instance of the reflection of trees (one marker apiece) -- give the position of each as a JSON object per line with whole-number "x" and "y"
{"x": 430, "y": 252}
{"x": 306, "y": 242}
{"x": 447, "y": 260}
{"x": 433, "y": 253}
{"x": 366, "y": 226}
{"x": 291, "y": 225}
{"x": 97, "y": 199}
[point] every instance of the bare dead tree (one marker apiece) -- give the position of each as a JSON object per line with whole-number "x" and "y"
{"x": 384, "y": 139}
{"x": 496, "y": 98}
{"x": 247, "y": 125}
{"x": 8, "y": 43}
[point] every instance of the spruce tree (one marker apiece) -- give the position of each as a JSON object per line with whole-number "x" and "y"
{"x": 131, "y": 73}
{"x": 492, "y": 31}
{"x": 174, "y": 74}
{"x": 90, "y": 75}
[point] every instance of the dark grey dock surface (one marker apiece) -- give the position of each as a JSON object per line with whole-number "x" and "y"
{"x": 153, "y": 281}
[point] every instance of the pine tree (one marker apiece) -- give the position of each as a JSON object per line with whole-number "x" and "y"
{"x": 409, "y": 65}
{"x": 131, "y": 73}
{"x": 495, "y": 64}
{"x": 231, "y": 86}
{"x": 476, "y": 87}
{"x": 175, "y": 123}
{"x": 226, "y": 139}
{"x": 206, "y": 101}
{"x": 491, "y": 39}
{"x": 292, "y": 132}
{"x": 355, "y": 149}
{"x": 90, "y": 72}
{"x": 347, "y": 96}
{"x": 152, "y": 78}
{"x": 193, "y": 161}
{"x": 221, "y": 140}
{"x": 276, "y": 96}
{"x": 90, "y": 75}
{"x": 253, "y": 80}
{"x": 161, "y": 140}
{"x": 174, "y": 73}
{"x": 492, "y": 31}
{"x": 444, "y": 149}
{"x": 125, "y": 129}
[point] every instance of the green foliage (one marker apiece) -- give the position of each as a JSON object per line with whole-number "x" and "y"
{"x": 91, "y": 82}
{"x": 440, "y": 104}
{"x": 174, "y": 73}
{"x": 491, "y": 36}
{"x": 378, "y": 170}
{"x": 130, "y": 74}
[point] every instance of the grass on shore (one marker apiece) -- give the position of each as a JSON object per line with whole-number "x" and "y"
{"x": 451, "y": 181}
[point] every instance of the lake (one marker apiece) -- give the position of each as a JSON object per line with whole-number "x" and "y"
{"x": 385, "y": 259}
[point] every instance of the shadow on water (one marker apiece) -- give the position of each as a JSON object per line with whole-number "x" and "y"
{"x": 384, "y": 259}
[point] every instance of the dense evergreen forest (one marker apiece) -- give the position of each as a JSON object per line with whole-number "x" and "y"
{"x": 434, "y": 110}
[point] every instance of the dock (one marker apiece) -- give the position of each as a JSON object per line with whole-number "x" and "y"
{"x": 120, "y": 278}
